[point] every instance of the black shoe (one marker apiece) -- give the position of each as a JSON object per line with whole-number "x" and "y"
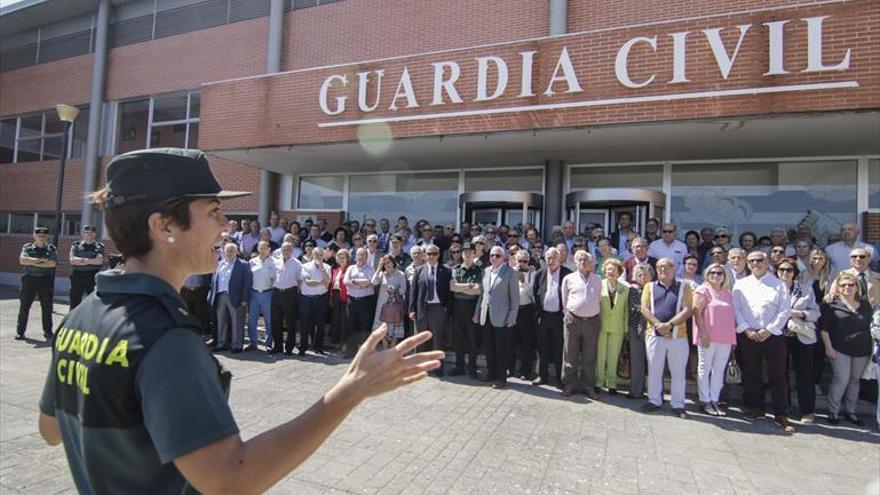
{"x": 499, "y": 385}
{"x": 235, "y": 351}
{"x": 301, "y": 352}
{"x": 754, "y": 414}
{"x": 681, "y": 413}
{"x": 438, "y": 372}
{"x": 48, "y": 336}
{"x": 288, "y": 353}
{"x": 649, "y": 407}
{"x": 784, "y": 423}
{"x": 487, "y": 378}
{"x": 833, "y": 419}
{"x": 273, "y": 351}
{"x": 612, "y": 391}
{"x": 320, "y": 351}
{"x": 597, "y": 389}
{"x": 456, "y": 372}
{"x": 474, "y": 375}
{"x": 250, "y": 347}
{"x": 539, "y": 381}
{"x": 854, "y": 419}
{"x": 19, "y": 336}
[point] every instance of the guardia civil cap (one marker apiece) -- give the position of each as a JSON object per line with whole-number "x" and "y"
{"x": 162, "y": 173}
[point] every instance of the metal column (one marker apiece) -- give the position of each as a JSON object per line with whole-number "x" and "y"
{"x": 273, "y": 64}
{"x": 553, "y": 195}
{"x": 96, "y": 104}
{"x": 558, "y": 17}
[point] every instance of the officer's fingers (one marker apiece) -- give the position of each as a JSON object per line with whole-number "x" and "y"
{"x": 375, "y": 337}
{"x": 424, "y": 357}
{"x": 411, "y": 343}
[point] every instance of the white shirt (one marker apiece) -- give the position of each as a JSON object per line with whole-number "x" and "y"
{"x": 312, "y": 271}
{"x": 838, "y": 254}
{"x": 263, "y": 272}
{"x": 675, "y": 251}
{"x": 434, "y": 299}
{"x": 289, "y": 273}
{"x": 224, "y": 273}
{"x": 761, "y": 303}
{"x": 526, "y": 296}
{"x": 356, "y": 273}
{"x": 551, "y": 298}
{"x": 374, "y": 257}
{"x": 277, "y": 234}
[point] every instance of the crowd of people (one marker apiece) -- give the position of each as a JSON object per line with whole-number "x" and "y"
{"x": 592, "y": 307}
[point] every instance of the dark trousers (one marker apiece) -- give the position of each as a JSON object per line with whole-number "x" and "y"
{"x": 360, "y": 320}
{"x": 464, "y": 334}
{"x": 196, "y": 300}
{"x": 497, "y": 351}
{"x": 32, "y": 288}
{"x": 522, "y": 344}
{"x": 434, "y": 320}
{"x": 82, "y": 283}
{"x": 804, "y": 374}
{"x": 285, "y": 304}
{"x": 312, "y": 312}
{"x": 549, "y": 343}
{"x": 754, "y": 354}
{"x": 338, "y": 318}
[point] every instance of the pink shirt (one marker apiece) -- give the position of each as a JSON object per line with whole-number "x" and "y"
{"x": 718, "y": 315}
{"x": 580, "y": 295}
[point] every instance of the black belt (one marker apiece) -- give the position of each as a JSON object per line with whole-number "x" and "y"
{"x": 582, "y": 318}
{"x": 314, "y": 295}
{"x": 288, "y": 289}
{"x": 260, "y": 291}
{"x": 362, "y": 298}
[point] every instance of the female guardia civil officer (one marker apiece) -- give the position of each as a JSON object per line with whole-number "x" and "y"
{"x": 138, "y": 401}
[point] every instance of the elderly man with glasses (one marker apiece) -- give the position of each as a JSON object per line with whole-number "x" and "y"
{"x": 496, "y": 311}
{"x": 429, "y": 297}
{"x": 762, "y": 306}
{"x": 667, "y": 246}
{"x": 580, "y": 299}
{"x": 839, "y": 252}
{"x": 869, "y": 281}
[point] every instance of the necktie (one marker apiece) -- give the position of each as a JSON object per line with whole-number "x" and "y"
{"x": 431, "y": 285}
{"x": 863, "y": 283}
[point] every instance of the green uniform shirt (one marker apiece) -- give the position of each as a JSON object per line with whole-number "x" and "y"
{"x": 48, "y": 252}
{"x": 133, "y": 387}
{"x": 464, "y": 275}
{"x": 81, "y": 249}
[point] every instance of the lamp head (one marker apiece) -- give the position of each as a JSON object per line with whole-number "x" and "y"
{"x": 67, "y": 113}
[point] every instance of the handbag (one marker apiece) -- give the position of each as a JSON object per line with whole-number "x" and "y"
{"x": 732, "y": 375}
{"x": 623, "y": 370}
{"x": 802, "y": 327}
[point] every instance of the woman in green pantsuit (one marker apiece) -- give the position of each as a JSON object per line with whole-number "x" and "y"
{"x": 614, "y": 319}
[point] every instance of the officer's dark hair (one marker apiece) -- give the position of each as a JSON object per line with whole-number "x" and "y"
{"x": 127, "y": 224}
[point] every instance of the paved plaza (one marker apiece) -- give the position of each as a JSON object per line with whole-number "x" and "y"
{"x": 457, "y": 436}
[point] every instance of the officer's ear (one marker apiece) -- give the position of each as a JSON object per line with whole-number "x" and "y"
{"x": 161, "y": 228}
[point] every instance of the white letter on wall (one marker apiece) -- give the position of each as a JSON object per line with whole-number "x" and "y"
{"x": 363, "y": 81}
{"x": 776, "y": 49}
{"x": 679, "y": 57}
{"x": 568, "y": 75}
{"x": 404, "y": 85}
{"x": 483, "y": 76}
{"x": 527, "y": 61}
{"x": 340, "y": 100}
{"x": 620, "y": 63}
{"x": 724, "y": 61}
{"x": 447, "y": 85}
{"x": 814, "y": 48}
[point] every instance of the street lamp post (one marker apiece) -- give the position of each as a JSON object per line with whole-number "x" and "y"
{"x": 67, "y": 114}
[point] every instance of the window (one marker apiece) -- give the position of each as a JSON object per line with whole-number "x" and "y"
{"x": 46, "y": 220}
{"x": 874, "y": 184}
{"x": 21, "y": 223}
{"x": 432, "y": 196}
{"x": 175, "y": 122}
{"x": 640, "y": 177}
{"x": 4, "y": 223}
{"x": 529, "y": 180}
{"x": 72, "y": 224}
{"x": 40, "y": 136}
{"x": 760, "y": 196}
{"x": 321, "y": 192}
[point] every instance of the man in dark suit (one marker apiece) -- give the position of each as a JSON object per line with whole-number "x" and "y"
{"x": 639, "y": 247}
{"x": 621, "y": 235}
{"x": 548, "y": 301}
{"x": 429, "y": 298}
{"x": 496, "y": 312}
{"x": 229, "y": 295}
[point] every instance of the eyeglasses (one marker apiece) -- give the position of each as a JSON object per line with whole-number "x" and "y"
{"x": 717, "y": 253}
{"x": 455, "y": 251}
{"x": 668, "y": 231}
{"x": 846, "y": 285}
{"x": 858, "y": 256}
{"x": 664, "y": 267}
{"x": 778, "y": 251}
{"x": 722, "y": 236}
{"x": 756, "y": 261}
{"x": 372, "y": 240}
{"x": 496, "y": 255}
{"x": 717, "y": 274}
{"x": 433, "y": 253}
{"x": 492, "y": 232}
{"x": 522, "y": 261}
{"x": 786, "y": 270}
{"x": 357, "y": 238}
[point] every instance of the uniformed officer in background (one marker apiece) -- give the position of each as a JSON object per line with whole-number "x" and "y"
{"x": 86, "y": 260}
{"x": 38, "y": 261}
{"x": 133, "y": 393}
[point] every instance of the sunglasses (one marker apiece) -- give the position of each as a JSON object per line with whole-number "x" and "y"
{"x": 668, "y": 231}
{"x": 369, "y": 225}
{"x": 858, "y": 256}
{"x": 433, "y": 253}
{"x": 372, "y": 240}
{"x": 496, "y": 255}
{"x": 456, "y": 251}
{"x": 846, "y": 285}
{"x": 778, "y": 251}
{"x": 722, "y": 236}
{"x": 717, "y": 274}
{"x": 756, "y": 261}
{"x": 522, "y": 261}
{"x": 357, "y": 239}
{"x": 717, "y": 253}
{"x": 786, "y": 270}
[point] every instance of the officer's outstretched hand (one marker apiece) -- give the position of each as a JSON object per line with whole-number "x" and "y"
{"x": 374, "y": 372}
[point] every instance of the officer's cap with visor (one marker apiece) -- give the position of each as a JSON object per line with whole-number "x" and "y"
{"x": 162, "y": 173}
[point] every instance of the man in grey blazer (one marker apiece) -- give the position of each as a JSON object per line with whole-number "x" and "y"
{"x": 496, "y": 311}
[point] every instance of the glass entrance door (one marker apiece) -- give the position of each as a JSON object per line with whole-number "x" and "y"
{"x": 486, "y": 216}
{"x": 512, "y": 208}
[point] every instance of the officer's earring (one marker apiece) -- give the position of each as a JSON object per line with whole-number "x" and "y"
{"x": 169, "y": 239}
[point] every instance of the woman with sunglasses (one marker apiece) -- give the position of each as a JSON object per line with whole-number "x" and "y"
{"x": 714, "y": 335}
{"x": 848, "y": 345}
{"x": 801, "y": 333}
{"x": 818, "y": 276}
